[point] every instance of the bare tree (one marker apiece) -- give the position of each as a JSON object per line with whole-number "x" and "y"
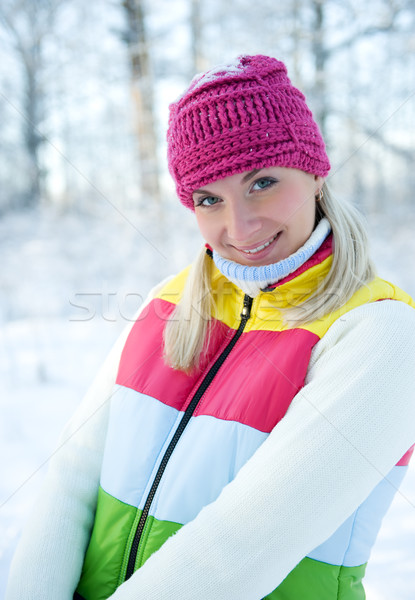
{"x": 27, "y": 24}
{"x": 320, "y": 59}
{"x": 199, "y": 62}
{"x": 143, "y": 97}
{"x": 347, "y": 48}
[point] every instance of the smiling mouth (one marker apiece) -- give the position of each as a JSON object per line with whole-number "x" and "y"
{"x": 259, "y": 248}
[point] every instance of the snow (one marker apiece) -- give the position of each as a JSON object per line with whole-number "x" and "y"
{"x": 69, "y": 282}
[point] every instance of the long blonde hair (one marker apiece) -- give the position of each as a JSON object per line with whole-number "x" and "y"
{"x": 186, "y": 333}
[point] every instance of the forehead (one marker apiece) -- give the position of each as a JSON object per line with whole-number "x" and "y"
{"x": 236, "y": 178}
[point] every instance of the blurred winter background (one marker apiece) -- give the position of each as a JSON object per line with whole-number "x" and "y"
{"x": 88, "y": 215}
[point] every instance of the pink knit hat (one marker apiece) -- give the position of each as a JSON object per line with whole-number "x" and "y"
{"x": 240, "y": 117}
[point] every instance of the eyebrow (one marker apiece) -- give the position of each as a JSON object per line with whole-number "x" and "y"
{"x": 250, "y": 174}
{"x": 246, "y": 178}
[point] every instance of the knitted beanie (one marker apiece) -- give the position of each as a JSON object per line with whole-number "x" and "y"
{"x": 239, "y": 117}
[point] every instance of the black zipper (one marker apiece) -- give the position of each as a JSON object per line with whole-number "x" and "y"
{"x": 245, "y": 314}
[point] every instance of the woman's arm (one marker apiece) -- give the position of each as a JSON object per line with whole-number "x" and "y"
{"x": 343, "y": 432}
{"x": 48, "y": 561}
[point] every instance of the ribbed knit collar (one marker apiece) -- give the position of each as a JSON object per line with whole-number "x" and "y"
{"x": 252, "y": 280}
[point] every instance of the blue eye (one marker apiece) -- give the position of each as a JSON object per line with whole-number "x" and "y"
{"x": 263, "y": 182}
{"x": 208, "y": 201}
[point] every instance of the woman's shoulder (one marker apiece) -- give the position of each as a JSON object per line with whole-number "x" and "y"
{"x": 171, "y": 287}
{"x": 385, "y": 326}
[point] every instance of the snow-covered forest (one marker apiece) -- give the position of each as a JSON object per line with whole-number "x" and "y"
{"x": 88, "y": 215}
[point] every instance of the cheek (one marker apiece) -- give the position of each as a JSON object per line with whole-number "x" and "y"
{"x": 206, "y": 227}
{"x": 287, "y": 207}
{"x": 298, "y": 206}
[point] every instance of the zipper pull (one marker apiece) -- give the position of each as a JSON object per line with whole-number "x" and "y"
{"x": 246, "y": 309}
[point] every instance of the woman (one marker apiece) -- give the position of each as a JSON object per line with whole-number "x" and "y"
{"x": 263, "y": 404}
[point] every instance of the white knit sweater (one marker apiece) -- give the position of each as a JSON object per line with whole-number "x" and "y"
{"x": 346, "y": 428}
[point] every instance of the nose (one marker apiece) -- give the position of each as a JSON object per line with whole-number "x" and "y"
{"x": 242, "y": 222}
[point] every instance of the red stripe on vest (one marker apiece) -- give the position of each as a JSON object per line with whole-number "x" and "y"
{"x": 142, "y": 366}
{"x": 404, "y": 462}
{"x": 256, "y": 384}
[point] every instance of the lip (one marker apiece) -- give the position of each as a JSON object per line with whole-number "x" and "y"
{"x": 258, "y": 251}
{"x": 255, "y": 249}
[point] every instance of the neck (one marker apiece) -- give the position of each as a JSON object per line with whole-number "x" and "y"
{"x": 252, "y": 280}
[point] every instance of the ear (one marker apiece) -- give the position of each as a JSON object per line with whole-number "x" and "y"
{"x": 319, "y": 182}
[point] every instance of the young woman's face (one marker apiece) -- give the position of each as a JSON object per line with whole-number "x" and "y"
{"x": 258, "y": 217}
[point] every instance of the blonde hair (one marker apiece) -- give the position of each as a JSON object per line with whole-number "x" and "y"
{"x": 186, "y": 333}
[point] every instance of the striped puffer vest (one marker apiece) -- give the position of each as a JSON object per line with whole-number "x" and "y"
{"x": 175, "y": 440}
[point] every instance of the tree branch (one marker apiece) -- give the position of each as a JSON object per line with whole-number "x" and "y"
{"x": 368, "y": 31}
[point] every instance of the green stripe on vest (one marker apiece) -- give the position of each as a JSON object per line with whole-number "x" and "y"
{"x": 314, "y": 580}
{"x": 107, "y": 555}
{"x": 106, "y": 558}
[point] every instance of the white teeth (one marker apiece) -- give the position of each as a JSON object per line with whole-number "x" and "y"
{"x": 260, "y": 247}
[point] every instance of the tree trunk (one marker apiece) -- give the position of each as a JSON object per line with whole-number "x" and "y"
{"x": 143, "y": 93}
{"x": 320, "y": 88}
{"x": 27, "y": 28}
{"x": 33, "y": 102}
{"x": 199, "y": 62}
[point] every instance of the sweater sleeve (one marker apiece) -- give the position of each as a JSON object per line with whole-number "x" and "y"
{"x": 344, "y": 431}
{"x": 48, "y": 561}
{"x": 49, "y": 556}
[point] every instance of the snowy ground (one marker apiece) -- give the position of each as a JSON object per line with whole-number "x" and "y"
{"x": 67, "y": 286}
